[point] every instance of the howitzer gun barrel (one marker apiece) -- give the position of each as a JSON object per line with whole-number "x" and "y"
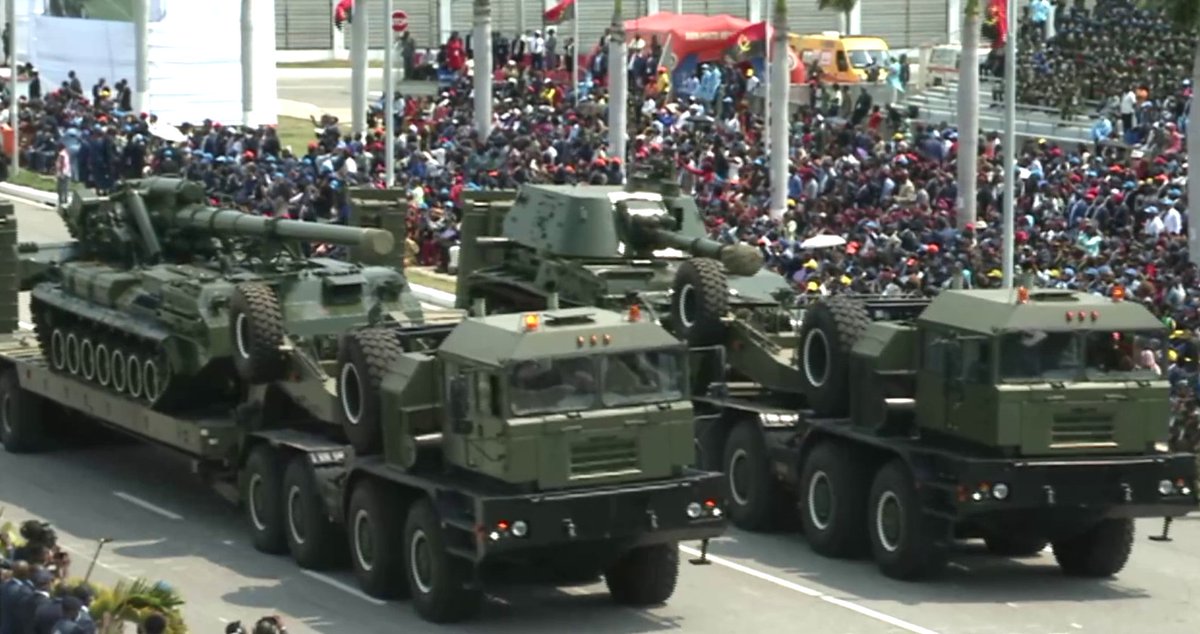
{"x": 231, "y": 222}
{"x": 739, "y": 259}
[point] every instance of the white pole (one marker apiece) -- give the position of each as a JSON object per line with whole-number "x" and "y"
{"x": 14, "y": 106}
{"x": 968, "y": 122}
{"x": 1010, "y": 141}
{"x": 778, "y": 121}
{"x": 247, "y": 62}
{"x": 389, "y": 102}
{"x": 618, "y": 83}
{"x": 141, "y": 44}
{"x": 358, "y": 70}
{"x": 483, "y": 68}
{"x": 576, "y": 71}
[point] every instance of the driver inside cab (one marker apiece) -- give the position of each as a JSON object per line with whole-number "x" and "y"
{"x": 553, "y": 384}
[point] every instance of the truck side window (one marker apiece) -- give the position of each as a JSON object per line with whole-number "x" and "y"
{"x": 494, "y": 381}
{"x": 977, "y": 361}
{"x": 934, "y": 353}
{"x": 842, "y": 64}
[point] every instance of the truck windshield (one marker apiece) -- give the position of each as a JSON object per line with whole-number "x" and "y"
{"x": 1074, "y": 356}
{"x": 574, "y": 384}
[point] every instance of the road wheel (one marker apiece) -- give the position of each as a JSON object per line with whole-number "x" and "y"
{"x": 905, "y": 541}
{"x": 104, "y": 363}
{"x": 438, "y": 580}
{"x": 87, "y": 359}
{"x": 256, "y": 325}
{"x": 754, "y": 496}
{"x": 315, "y": 541}
{"x": 364, "y": 358}
{"x": 376, "y": 550}
{"x": 262, "y": 496}
{"x": 699, "y": 299}
{"x": 834, "y": 485}
{"x": 1101, "y": 551}
{"x": 830, "y": 330}
{"x": 21, "y": 416}
{"x": 644, "y": 576}
{"x": 1015, "y": 544}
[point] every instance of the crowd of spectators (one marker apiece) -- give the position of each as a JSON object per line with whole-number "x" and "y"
{"x": 35, "y": 595}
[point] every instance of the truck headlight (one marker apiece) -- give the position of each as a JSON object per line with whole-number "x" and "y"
{"x": 694, "y": 510}
{"x": 520, "y": 529}
{"x": 1166, "y": 487}
{"x": 1000, "y": 491}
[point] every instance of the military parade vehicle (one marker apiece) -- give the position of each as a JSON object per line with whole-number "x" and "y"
{"x": 437, "y": 455}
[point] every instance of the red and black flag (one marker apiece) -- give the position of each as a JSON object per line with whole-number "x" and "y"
{"x": 560, "y": 12}
{"x": 342, "y": 13}
{"x": 749, "y": 43}
{"x": 995, "y": 23}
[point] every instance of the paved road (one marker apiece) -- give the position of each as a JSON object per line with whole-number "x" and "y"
{"x": 331, "y": 90}
{"x": 168, "y": 526}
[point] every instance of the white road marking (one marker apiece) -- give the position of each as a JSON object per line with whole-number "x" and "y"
{"x": 148, "y": 506}
{"x": 25, "y": 325}
{"x": 113, "y": 568}
{"x": 341, "y": 586}
{"x": 1012, "y": 605}
{"x": 957, "y": 566}
{"x": 816, "y": 594}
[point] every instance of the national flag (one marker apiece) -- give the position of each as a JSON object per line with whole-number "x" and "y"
{"x": 560, "y": 12}
{"x": 995, "y": 24}
{"x": 749, "y": 43}
{"x": 342, "y": 13}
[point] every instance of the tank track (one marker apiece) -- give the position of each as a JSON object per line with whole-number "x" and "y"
{"x": 95, "y": 352}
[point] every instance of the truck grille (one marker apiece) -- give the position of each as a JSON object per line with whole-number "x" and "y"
{"x": 1074, "y": 431}
{"x": 601, "y": 456}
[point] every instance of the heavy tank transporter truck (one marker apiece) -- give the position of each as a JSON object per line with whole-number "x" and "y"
{"x": 437, "y": 456}
{"x": 889, "y": 425}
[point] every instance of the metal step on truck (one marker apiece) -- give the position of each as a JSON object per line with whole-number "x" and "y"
{"x": 438, "y": 454}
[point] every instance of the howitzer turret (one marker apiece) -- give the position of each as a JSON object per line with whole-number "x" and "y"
{"x": 163, "y": 297}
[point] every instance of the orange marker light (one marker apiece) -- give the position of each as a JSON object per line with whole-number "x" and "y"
{"x": 595, "y": 339}
{"x": 1082, "y": 315}
{"x": 531, "y": 321}
{"x": 1118, "y": 293}
{"x": 1070, "y": 315}
{"x": 1022, "y": 295}
{"x": 607, "y": 339}
{"x": 579, "y": 341}
{"x": 1095, "y": 315}
{"x": 635, "y": 312}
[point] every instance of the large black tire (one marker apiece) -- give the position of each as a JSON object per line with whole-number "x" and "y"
{"x": 754, "y": 497}
{"x": 907, "y": 543}
{"x": 262, "y": 497}
{"x": 644, "y": 576}
{"x": 830, "y": 330}
{"x": 375, "y": 524}
{"x": 364, "y": 358}
{"x": 699, "y": 299}
{"x": 315, "y": 541}
{"x": 439, "y": 581}
{"x": 257, "y": 332}
{"x": 21, "y": 416}
{"x": 1015, "y": 544}
{"x": 1100, "y": 552}
{"x": 834, "y": 486}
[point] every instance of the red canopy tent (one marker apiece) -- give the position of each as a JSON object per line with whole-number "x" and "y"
{"x": 704, "y": 35}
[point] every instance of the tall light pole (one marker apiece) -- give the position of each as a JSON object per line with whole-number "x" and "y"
{"x": 14, "y": 119}
{"x": 389, "y": 102}
{"x": 141, "y": 54}
{"x": 358, "y": 70}
{"x": 779, "y": 88}
{"x": 968, "y": 118}
{"x": 1010, "y": 142}
{"x": 247, "y": 61}
{"x": 482, "y": 43}
{"x": 618, "y": 86}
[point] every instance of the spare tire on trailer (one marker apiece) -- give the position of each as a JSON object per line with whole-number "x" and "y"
{"x": 364, "y": 358}
{"x": 830, "y": 330}
{"x": 256, "y": 328}
{"x": 699, "y": 299}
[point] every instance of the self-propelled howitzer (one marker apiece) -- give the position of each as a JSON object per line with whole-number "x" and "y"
{"x": 163, "y": 296}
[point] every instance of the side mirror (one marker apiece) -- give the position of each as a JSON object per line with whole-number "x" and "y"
{"x": 458, "y": 405}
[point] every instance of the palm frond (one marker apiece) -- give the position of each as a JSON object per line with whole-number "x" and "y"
{"x": 841, "y": 6}
{"x": 132, "y": 602}
{"x": 972, "y": 7}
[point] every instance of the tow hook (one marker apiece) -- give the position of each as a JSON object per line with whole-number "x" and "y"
{"x": 1165, "y": 537}
{"x": 702, "y": 560}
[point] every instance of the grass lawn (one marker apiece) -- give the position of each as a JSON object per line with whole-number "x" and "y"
{"x": 297, "y": 132}
{"x": 328, "y": 63}
{"x": 417, "y": 275}
{"x": 29, "y": 178}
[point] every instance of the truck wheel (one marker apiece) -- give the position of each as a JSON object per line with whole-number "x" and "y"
{"x": 262, "y": 495}
{"x": 313, "y": 539}
{"x": 438, "y": 580}
{"x": 1015, "y": 545}
{"x": 1101, "y": 551}
{"x": 754, "y": 495}
{"x": 699, "y": 299}
{"x": 834, "y": 486}
{"x": 256, "y": 326}
{"x": 830, "y": 330}
{"x": 376, "y": 552}
{"x": 905, "y": 542}
{"x": 645, "y": 575}
{"x": 20, "y": 416}
{"x": 364, "y": 357}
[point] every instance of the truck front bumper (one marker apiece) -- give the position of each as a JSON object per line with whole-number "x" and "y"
{"x": 1112, "y": 487}
{"x": 613, "y": 517}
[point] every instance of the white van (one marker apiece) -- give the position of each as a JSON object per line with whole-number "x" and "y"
{"x": 944, "y": 60}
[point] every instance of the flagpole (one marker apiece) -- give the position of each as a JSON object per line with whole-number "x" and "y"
{"x": 576, "y": 74}
{"x": 1010, "y": 142}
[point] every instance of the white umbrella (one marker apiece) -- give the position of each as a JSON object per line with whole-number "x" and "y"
{"x": 168, "y": 133}
{"x": 823, "y": 241}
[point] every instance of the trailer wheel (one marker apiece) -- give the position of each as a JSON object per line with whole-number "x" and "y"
{"x": 104, "y": 363}
{"x": 256, "y": 325}
{"x": 21, "y": 416}
{"x": 644, "y": 576}
{"x": 905, "y": 542}
{"x": 834, "y": 486}
{"x": 1101, "y": 551}
{"x": 313, "y": 539}
{"x": 1015, "y": 544}
{"x": 377, "y": 554}
{"x": 754, "y": 495}
{"x": 262, "y": 495}
{"x": 87, "y": 359}
{"x": 699, "y": 299}
{"x": 437, "y": 579}
{"x": 364, "y": 357}
{"x": 830, "y": 330}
